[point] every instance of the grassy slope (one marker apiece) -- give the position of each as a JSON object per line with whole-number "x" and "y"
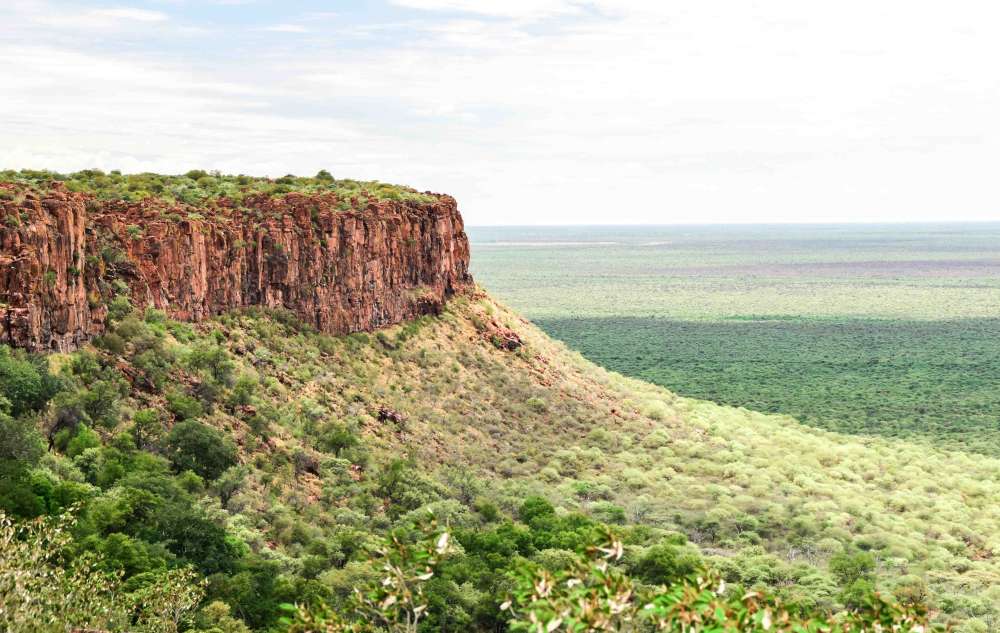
{"x": 762, "y": 492}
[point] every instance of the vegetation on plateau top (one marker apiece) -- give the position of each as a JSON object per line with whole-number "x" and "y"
{"x": 199, "y": 188}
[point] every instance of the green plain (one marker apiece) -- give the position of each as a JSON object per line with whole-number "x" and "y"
{"x": 887, "y": 330}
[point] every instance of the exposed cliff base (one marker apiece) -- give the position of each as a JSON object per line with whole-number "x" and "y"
{"x": 66, "y": 257}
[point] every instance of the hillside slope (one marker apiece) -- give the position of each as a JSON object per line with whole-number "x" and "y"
{"x": 470, "y": 413}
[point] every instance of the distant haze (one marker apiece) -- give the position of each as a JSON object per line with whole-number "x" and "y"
{"x": 541, "y": 112}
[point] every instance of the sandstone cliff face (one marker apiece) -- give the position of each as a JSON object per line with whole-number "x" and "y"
{"x": 65, "y": 256}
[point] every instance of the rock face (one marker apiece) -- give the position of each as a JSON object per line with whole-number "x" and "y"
{"x": 65, "y": 257}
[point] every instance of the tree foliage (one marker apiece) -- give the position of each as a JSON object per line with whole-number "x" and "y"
{"x": 194, "y": 446}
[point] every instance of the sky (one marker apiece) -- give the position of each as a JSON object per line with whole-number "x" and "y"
{"x": 530, "y": 111}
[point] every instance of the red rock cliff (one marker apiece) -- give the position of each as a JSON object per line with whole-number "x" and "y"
{"x": 64, "y": 257}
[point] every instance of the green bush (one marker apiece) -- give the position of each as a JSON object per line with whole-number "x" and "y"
{"x": 20, "y": 440}
{"x": 183, "y": 406}
{"x": 194, "y": 446}
{"x": 664, "y": 563}
{"x": 337, "y": 438}
{"x": 243, "y": 391}
{"x": 83, "y": 439}
{"x": 22, "y": 382}
{"x": 119, "y": 308}
{"x": 214, "y": 360}
{"x": 147, "y": 427}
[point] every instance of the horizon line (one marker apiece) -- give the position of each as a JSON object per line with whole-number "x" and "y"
{"x": 741, "y": 223}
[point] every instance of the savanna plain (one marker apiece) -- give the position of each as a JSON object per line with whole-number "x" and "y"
{"x": 887, "y": 330}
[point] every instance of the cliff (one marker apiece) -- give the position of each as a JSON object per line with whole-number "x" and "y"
{"x": 65, "y": 257}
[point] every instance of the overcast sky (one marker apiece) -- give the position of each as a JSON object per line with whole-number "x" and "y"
{"x": 530, "y": 111}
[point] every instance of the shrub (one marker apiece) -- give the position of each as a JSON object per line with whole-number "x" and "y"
{"x": 535, "y": 507}
{"x": 214, "y": 360}
{"x": 20, "y": 440}
{"x": 849, "y": 567}
{"x": 84, "y": 439}
{"x": 101, "y": 401}
{"x": 21, "y": 382}
{"x": 243, "y": 391}
{"x": 119, "y": 308}
{"x": 537, "y": 405}
{"x": 336, "y": 438}
{"x": 593, "y": 595}
{"x": 665, "y": 563}
{"x": 197, "y": 447}
{"x": 111, "y": 343}
{"x": 146, "y": 427}
{"x": 183, "y": 406}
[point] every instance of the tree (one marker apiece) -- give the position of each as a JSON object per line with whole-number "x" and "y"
{"x": 229, "y": 483}
{"x": 146, "y": 427}
{"x": 849, "y": 567}
{"x": 183, "y": 406}
{"x": 20, "y": 441}
{"x": 535, "y": 507}
{"x": 20, "y": 446}
{"x": 215, "y": 617}
{"x": 665, "y": 563}
{"x": 397, "y": 602}
{"x": 195, "y": 539}
{"x": 194, "y": 446}
{"x": 338, "y": 438}
{"x": 42, "y": 590}
{"x": 167, "y": 602}
{"x": 21, "y": 383}
{"x": 213, "y": 360}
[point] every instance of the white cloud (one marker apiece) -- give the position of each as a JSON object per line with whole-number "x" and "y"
{"x": 126, "y": 13}
{"x": 42, "y": 14}
{"x": 613, "y": 111}
{"x": 286, "y": 28}
{"x": 522, "y": 9}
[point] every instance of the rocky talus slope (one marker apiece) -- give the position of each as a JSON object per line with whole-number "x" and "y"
{"x": 65, "y": 257}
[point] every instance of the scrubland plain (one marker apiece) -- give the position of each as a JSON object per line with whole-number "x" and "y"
{"x": 885, "y": 330}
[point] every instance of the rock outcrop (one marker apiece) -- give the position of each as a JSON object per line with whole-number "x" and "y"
{"x": 65, "y": 257}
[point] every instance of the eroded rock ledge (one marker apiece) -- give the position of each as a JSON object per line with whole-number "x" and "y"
{"x": 65, "y": 256}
